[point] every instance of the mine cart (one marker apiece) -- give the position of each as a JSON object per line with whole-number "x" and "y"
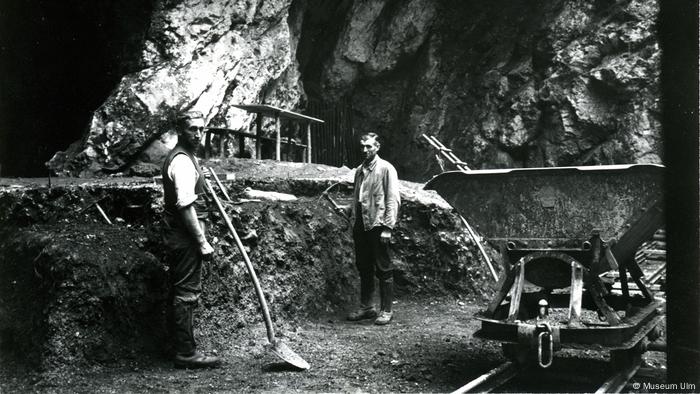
{"x": 559, "y": 231}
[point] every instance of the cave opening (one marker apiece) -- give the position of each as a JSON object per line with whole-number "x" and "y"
{"x": 59, "y": 62}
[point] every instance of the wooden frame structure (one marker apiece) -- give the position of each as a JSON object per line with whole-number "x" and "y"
{"x": 262, "y": 110}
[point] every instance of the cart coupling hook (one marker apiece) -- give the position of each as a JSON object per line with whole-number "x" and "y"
{"x": 545, "y": 345}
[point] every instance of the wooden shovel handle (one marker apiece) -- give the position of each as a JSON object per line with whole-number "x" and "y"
{"x": 248, "y": 264}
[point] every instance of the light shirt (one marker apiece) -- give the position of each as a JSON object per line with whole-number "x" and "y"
{"x": 365, "y": 167}
{"x": 184, "y": 176}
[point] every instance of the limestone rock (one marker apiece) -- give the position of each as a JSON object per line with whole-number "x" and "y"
{"x": 504, "y": 84}
{"x": 199, "y": 54}
{"x": 516, "y": 84}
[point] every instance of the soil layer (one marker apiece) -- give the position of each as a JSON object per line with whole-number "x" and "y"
{"x": 84, "y": 301}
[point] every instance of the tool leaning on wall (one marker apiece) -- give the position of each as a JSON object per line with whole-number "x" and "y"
{"x": 279, "y": 348}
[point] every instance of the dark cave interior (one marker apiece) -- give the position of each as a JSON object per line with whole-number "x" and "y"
{"x": 59, "y": 61}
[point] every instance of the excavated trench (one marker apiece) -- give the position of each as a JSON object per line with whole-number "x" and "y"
{"x": 77, "y": 291}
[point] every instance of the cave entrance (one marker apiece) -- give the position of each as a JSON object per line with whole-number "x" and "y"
{"x": 58, "y": 62}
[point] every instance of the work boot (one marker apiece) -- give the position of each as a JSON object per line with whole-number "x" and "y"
{"x": 186, "y": 354}
{"x": 386, "y": 294}
{"x": 384, "y": 318}
{"x": 363, "y": 312}
{"x": 196, "y": 360}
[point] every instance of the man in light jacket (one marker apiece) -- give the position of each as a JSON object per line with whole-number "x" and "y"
{"x": 375, "y": 209}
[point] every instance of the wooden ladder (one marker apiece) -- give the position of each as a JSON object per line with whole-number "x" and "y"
{"x": 446, "y": 152}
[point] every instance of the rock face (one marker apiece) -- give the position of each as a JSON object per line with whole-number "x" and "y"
{"x": 503, "y": 83}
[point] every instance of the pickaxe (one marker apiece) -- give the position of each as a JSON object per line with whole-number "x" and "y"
{"x": 99, "y": 209}
{"x": 337, "y": 208}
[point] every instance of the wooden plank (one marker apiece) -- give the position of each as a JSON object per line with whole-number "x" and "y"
{"x": 271, "y": 110}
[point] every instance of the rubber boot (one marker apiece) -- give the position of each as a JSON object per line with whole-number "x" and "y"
{"x": 186, "y": 354}
{"x": 366, "y": 310}
{"x": 386, "y": 293}
{"x": 182, "y": 328}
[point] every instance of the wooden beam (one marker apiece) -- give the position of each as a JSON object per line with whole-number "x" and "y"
{"x": 258, "y": 134}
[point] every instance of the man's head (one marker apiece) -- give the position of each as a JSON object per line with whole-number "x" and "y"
{"x": 370, "y": 145}
{"x": 190, "y": 126}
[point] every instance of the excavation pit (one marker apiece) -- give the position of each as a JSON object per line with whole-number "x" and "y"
{"x": 82, "y": 294}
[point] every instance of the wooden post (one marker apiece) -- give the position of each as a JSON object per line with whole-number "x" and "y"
{"x": 308, "y": 142}
{"x": 258, "y": 135}
{"x": 290, "y": 148}
{"x": 278, "y": 137}
{"x": 207, "y": 144}
{"x": 241, "y": 145}
{"x": 223, "y": 137}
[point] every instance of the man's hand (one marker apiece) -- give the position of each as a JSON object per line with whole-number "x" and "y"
{"x": 206, "y": 250}
{"x": 385, "y": 236}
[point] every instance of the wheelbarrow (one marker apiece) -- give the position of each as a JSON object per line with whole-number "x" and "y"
{"x": 559, "y": 230}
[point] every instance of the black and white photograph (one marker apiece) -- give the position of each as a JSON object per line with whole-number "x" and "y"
{"x": 349, "y": 196}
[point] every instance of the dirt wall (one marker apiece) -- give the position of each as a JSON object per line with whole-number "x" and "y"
{"x": 76, "y": 290}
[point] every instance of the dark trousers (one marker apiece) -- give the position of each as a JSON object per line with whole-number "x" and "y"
{"x": 372, "y": 259}
{"x": 185, "y": 263}
{"x": 184, "y": 260}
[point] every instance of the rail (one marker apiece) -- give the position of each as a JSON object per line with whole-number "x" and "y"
{"x": 508, "y": 371}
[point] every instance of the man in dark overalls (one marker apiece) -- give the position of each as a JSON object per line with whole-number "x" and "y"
{"x": 375, "y": 208}
{"x": 185, "y": 237}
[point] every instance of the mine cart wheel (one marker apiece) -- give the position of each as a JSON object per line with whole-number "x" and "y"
{"x": 515, "y": 352}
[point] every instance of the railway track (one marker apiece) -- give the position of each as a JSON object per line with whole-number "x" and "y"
{"x": 509, "y": 377}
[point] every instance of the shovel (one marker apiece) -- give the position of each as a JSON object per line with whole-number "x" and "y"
{"x": 278, "y": 347}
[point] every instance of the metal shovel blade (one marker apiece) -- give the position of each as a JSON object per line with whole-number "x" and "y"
{"x": 282, "y": 351}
